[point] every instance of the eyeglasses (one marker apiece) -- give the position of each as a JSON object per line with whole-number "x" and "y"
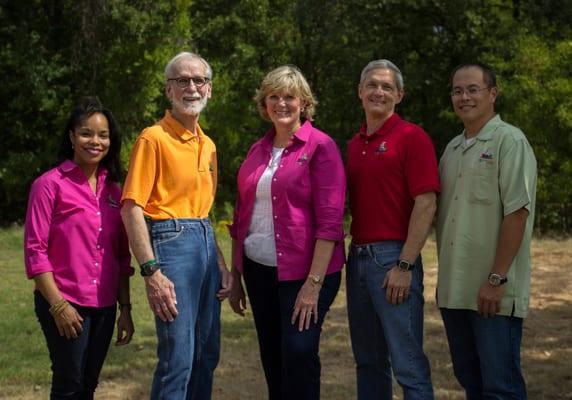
{"x": 184, "y": 81}
{"x": 471, "y": 91}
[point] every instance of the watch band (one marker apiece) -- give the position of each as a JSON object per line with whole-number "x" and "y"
{"x": 404, "y": 265}
{"x": 315, "y": 279}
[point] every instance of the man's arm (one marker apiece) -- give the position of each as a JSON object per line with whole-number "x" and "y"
{"x": 510, "y": 237}
{"x": 160, "y": 290}
{"x": 397, "y": 282}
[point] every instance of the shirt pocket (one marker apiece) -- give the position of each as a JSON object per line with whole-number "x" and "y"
{"x": 483, "y": 182}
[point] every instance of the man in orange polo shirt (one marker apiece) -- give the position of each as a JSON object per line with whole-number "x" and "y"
{"x": 168, "y": 194}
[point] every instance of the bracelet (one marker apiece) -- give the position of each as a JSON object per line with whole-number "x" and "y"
{"x": 149, "y": 263}
{"x": 58, "y": 307}
{"x": 124, "y": 305}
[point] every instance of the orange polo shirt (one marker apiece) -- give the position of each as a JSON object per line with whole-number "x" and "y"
{"x": 172, "y": 173}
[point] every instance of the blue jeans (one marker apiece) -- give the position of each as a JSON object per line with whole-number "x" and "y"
{"x": 290, "y": 358}
{"x": 189, "y": 347}
{"x": 76, "y": 363}
{"x": 485, "y": 354}
{"x": 386, "y": 336}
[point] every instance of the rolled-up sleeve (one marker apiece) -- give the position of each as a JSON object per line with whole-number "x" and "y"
{"x": 328, "y": 191}
{"x": 37, "y": 228}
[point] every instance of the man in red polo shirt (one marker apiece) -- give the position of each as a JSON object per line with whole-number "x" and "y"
{"x": 393, "y": 180}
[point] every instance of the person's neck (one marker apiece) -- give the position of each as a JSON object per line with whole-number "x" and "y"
{"x": 188, "y": 121}
{"x": 284, "y": 135}
{"x": 473, "y": 128}
{"x": 374, "y": 122}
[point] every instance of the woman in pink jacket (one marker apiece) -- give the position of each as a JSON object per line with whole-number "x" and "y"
{"x": 77, "y": 252}
{"x": 288, "y": 235}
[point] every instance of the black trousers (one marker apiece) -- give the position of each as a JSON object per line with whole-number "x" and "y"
{"x": 76, "y": 363}
{"x": 290, "y": 358}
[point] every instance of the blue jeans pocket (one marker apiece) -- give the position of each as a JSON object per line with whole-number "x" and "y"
{"x": 385, "y": 258}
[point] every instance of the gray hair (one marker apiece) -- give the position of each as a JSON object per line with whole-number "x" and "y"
{"x": 383, "y": 64}
{"x": 186, "y": 56}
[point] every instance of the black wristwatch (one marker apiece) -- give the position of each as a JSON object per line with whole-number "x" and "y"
{"x": 149, "y": 268}
{"x": 404, "y": 265}
{"x": 497, "y": 280}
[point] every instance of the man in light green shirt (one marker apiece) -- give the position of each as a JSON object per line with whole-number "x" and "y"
{"x": 484, "y": 228}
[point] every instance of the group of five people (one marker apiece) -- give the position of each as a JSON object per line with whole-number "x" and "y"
{"x": 288, "y": 239}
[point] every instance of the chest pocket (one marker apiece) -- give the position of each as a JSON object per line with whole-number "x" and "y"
{"x": 483, "y": 182}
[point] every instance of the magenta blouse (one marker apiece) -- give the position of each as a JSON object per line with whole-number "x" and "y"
{"x": 77, "y": 235}
{"x": 308, "y": 194}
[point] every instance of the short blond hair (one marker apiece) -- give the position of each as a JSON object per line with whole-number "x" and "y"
{"x": 286, "y": 77}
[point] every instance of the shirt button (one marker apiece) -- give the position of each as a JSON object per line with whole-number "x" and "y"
{"x": 96, "y": 264}
{"x": 363, "y": 152}
{"x": 98, "y": 246}
{"x": 281, "y": 165}
{"x": 276, "y": 216}
{"x": 99, "y": 213}
{"x": 286, "y": 151}
{"x": 100, "y": 229}
{"x": 273, "y": 197}
{"x": 274, "y": 179}
{"x": 277, "y": 235}
{"x": 366, "y": 142}
{"x": 94, "y": 281}
{"x": 279, "y": 254}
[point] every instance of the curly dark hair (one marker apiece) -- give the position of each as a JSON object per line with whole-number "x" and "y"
{"x": 83, "y": 110}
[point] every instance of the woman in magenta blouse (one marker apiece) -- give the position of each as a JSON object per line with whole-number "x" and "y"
{"x": 77, "y": 252}
{"x": 288, "y": 235}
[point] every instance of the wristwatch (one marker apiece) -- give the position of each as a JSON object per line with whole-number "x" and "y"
{"x": 315, "y": 279}
{"x": 149, "y": 268}
{"x": 404, "y": 265}
{"x": 497, "y": 280}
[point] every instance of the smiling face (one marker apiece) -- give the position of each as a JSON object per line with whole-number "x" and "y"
{"x": 473, "y": 100}
{"x": 90, "y": 141}
{"x": 379, "y": 94}
{"x": 284, "y": 109}
{"x": 191, "y": 100}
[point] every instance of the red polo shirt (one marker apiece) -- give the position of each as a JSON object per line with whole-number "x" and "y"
{"x": 385, "y": 171}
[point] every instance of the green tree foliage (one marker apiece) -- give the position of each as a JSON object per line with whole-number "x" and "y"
{"x": 54, "y": 51}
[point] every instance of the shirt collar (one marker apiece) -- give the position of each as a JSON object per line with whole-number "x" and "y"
{"x": 302, "y": 134}
{"x": 68, "y": 166}
{"x": 176, "y": 127}
{"x": 486, "y": 133}
{"x": 384, "y": 129}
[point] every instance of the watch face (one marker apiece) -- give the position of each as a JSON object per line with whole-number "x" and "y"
{"x": 494, "y": 280}
{"x": 404, "y": 265}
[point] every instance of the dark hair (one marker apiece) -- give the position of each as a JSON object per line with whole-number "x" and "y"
{"x": 489, "y": 75}
{"x": 83, "y": 110}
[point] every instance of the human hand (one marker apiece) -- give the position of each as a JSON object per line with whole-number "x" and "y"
{"x": 489, "y": 299}
{"x": 397, "y": 284}
{"x": 69, "y": 322}
{"x": 125, "y": 328}
{"x": 161, "y": 296}
{"x": 306, "y": 305}
{"x": 237, "y": 298}
{"x": 226, "y": 279}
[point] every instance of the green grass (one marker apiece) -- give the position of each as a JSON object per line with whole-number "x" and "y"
{"x": 25, "y": 369}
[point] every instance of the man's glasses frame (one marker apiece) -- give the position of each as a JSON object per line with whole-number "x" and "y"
{"x": 185, "y": 81}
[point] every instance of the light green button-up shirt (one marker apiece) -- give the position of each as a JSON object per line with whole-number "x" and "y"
{"x": 481, "y": 183}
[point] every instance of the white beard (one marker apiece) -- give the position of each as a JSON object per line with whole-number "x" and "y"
{"x": 190, "y": 109}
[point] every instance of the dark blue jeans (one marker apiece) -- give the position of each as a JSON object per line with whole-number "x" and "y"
{"x": 290, "y": 358}
{"x": 188, "y": 348}
{"x": 76, "y": 363}
{"x": 386, "y": 336}
{"x": 485, "y": 354}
